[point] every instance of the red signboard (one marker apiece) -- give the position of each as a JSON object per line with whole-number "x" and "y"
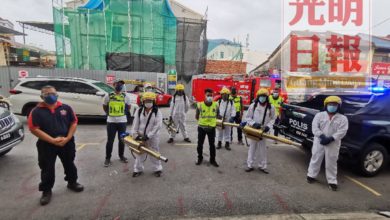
{"x": 381, "y": 68}
{"x": 110, "y": 79}
{"x": 23, "y": 73}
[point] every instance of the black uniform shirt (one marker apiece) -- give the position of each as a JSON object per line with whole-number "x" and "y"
{"x": 55, "y": 122}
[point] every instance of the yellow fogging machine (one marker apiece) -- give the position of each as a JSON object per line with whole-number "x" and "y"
{"x": 257, "y": 134}
{"x": 140, "y": 148}
{"x": 170, "y": 126}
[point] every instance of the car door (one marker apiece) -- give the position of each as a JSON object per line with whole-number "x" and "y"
{"x": 64, "y": 91}
{"x": 87, "y": 101}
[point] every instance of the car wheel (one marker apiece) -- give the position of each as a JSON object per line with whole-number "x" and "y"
{"x": 4, "y": 104}
{"x": 307, "y": 145}
{"x": 28, "y": 109}
{"x": 373, "y": 159}
{"x": 5, "y": 152}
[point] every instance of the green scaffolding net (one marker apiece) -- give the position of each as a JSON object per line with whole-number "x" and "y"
{"x": 115, "y": 31}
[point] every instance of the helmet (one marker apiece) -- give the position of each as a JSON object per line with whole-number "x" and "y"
{"x": 148, "y": 96}
{"x": 147, "y": 85}
{"x": 179, "y": 87}
{"x": 262, "y": 91}
{"x": 330, "y": 99}
{"x": 225, "y": 90}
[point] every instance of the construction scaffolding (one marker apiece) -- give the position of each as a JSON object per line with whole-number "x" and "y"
{"x": 191, "y": 48}
{"x": 89, "y": 36}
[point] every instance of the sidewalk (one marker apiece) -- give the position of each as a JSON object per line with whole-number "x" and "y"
{"x": 342, "y": 216}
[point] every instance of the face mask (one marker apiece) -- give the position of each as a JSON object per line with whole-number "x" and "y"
{"x": 148, "y": 105}
{"x": 209, "y": 99}
{"x": 275, "y": 95}
{"x": 50, "y": 99}
{"x": 262, "y": 99}
{"x": 118, "y": 88}
{"x": 332, "y": 108}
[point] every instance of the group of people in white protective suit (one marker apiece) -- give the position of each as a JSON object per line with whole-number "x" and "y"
{"x": 328, "y": 127}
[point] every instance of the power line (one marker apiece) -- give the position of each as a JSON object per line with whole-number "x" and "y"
{"x": 380, "y": 23}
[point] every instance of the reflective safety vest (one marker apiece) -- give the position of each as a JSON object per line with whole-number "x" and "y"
{"x": 237, "y": 102}
{"x": 276, "y": 103}
{"x": 116, "y": 105}
{"x": 207, "y": 115}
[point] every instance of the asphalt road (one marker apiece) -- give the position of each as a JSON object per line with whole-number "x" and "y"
{"x": 184, "y": 190}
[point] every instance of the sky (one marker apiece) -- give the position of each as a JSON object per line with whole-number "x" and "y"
{"x": 228, "y": 19}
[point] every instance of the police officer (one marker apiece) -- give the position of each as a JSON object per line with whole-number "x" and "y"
{"x": 237, "y": 100}
{"x": 226, "y": 112}
{"x": 328, "y": 127}
{"x": 54, "y": 124}
{"x": 178, "y": 110}
{"x": 260, "y": 115}
{"x": 146, "y": 127}
{"x": 206, "y": 114}
{"x": 115, "y": 105}
{"x": 276, "y": 101}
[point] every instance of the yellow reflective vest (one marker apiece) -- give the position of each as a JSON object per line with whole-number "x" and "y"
{"x": 116, "y": 105}
{"x": 237, "y": 102}
{"x": 276, "y": 103}
{"x": 207, "y": 115}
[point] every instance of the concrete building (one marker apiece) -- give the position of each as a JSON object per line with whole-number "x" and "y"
{"x": 225, "y": 50}
{"x": 7, "y": 24}
{"x": 13, "y": 53}
{"x": 377, "y": 52}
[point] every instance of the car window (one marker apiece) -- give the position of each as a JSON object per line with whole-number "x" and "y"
{"x": 265, "y": 83}
{"x": 278, "y": 84}
{"x": 104, "y": 87}
{"x": 351, "y": 103}
{"x": 61, "y": 86}
{"x": 315, "y": 102}
{"x": 83, "y": 88}
{"x": 157, "y": 91}
{"x": 35, "y": 84}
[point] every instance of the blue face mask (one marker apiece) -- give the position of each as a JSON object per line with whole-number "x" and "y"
{"x": 118, "y": 88}
{"x": 50, "y": 99}
{"x": 332, "y": 108}
{"x": 262, "y": 99}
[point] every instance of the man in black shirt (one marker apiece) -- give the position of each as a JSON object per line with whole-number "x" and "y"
{"x": 54, "y": 124}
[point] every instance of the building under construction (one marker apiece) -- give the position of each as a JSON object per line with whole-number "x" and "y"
{"x": 130, "y": 35}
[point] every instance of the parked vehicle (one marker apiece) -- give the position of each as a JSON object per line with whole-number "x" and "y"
{"x": 246, "y": 86}
{"x": 11, "y": 131}
{"x": 84, "y": 95}
{"x": 367, "y": 143}
{"x": 4, "y": 102}
{"x": 163, "y": 99}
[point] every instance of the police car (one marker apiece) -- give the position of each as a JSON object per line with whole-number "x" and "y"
{"x": 366, "y": 144}
{"x": 85, "y": 96}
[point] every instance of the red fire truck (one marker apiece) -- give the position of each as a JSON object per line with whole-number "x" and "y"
{"x": 246, "y": 86}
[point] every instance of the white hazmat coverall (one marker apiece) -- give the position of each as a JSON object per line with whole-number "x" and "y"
{"x": 178, "y": 111}
{"x": 153, "y": 133}
{"x": 336, "y": 127}
{"x": 228, "y": 106}
{"x": 258, "y": 149}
